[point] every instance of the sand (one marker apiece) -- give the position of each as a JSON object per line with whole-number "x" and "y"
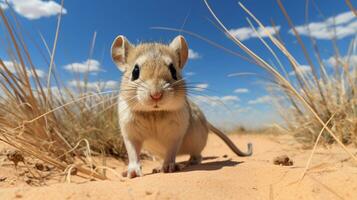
{"x": 222, "y": 175}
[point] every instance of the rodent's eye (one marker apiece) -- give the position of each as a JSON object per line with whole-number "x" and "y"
{"x": 135, "y": 73}
{"x": 173, "y": 71}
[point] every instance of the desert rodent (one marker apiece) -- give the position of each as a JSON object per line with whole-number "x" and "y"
{"x": 154, "y": 111}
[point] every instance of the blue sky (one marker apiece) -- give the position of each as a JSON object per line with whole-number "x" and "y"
{"x": 245, "y": 96}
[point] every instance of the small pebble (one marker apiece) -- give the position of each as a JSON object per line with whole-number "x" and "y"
{"x": 283, "y": 160}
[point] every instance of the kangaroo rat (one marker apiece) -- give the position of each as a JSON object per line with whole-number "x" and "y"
{"x": 154, "y": 112}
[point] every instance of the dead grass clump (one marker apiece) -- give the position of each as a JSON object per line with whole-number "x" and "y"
{"x": 331, "y": 92}
{"x": 311, "y": 97}
{"x": 97, "y": 121}
{"x": 62, "y": 127}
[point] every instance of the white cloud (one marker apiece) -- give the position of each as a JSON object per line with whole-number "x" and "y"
{"x": 228, "y": 114}
{"x": 88, "y": 66}
{"x": 11, "y": 66}
{"x": 332, "y": 61}
{"x": 96, "y": 85}
{"x": 193, "y": 54}
{"x": 260, "y": 100}
{"x": 341, "y": 18}
{"x": 244, "y": 109}
{"x": 111, "y": 84}
{"x": 241, "y": 90}
{"x": 201, "y": 87}
{"x": 34, "y": 9}
{"x": 229, "y": 98}
{"x": 302, "y": 69}
{"x": 246, "y": 33}
{"x": 40, "y": 73}
{"x": 55, "y": 91}
{"x": 341, "y": 25}
{"x": 351, "y": 60}
{"x": 215, "y": 100}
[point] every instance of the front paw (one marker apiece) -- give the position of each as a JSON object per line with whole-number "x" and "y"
{"x": 133, "y": 171}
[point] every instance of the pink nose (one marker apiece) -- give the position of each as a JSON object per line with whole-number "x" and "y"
{"x": 156, "y": 96}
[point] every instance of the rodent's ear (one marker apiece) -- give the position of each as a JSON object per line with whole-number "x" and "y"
{"x": 180, "y": 46}
{"x": 120, "y": 49}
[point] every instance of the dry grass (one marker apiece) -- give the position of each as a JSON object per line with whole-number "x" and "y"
{"x": 60, "y": 126}
{"x": 317, "y": 101}
{"x": 313, "y": 98}
{"x": 327, "y": 93}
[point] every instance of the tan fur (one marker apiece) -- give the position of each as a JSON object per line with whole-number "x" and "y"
{"x": 167, "y": 127}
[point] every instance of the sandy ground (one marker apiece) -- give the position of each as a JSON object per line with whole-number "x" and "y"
{"x": 222, "y": 175}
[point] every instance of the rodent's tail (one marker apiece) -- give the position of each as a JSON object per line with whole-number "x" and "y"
{"x": 229, "y": 142}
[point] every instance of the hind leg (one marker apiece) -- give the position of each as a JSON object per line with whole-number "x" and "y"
{"x": 195, "y": 159}
{"x": 193, "y": 145}
{"x": 169, "y": 165}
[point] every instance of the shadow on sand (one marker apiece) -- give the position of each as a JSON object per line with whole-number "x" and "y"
{"x": 206, "y": 166}
{"x": 209, "y": 166}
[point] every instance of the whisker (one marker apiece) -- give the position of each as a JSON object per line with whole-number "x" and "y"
{"x": 197, "y": 89}
{"x": 143, "y": 84}
{"x": 220, "y": 102}
{"x": 132, "y": 100}
{"x": 176, "y": 82}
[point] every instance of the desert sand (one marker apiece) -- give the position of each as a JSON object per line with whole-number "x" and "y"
{"x": 222, "y": 175}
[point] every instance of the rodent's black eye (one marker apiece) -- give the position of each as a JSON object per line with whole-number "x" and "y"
{"x": 173, "y": 71}
{"x": 135, "y": 73}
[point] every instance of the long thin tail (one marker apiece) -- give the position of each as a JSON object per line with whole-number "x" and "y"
{"x": 229, "y": 142}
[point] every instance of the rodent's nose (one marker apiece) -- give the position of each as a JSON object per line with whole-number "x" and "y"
{"x": 156, "y": 96}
